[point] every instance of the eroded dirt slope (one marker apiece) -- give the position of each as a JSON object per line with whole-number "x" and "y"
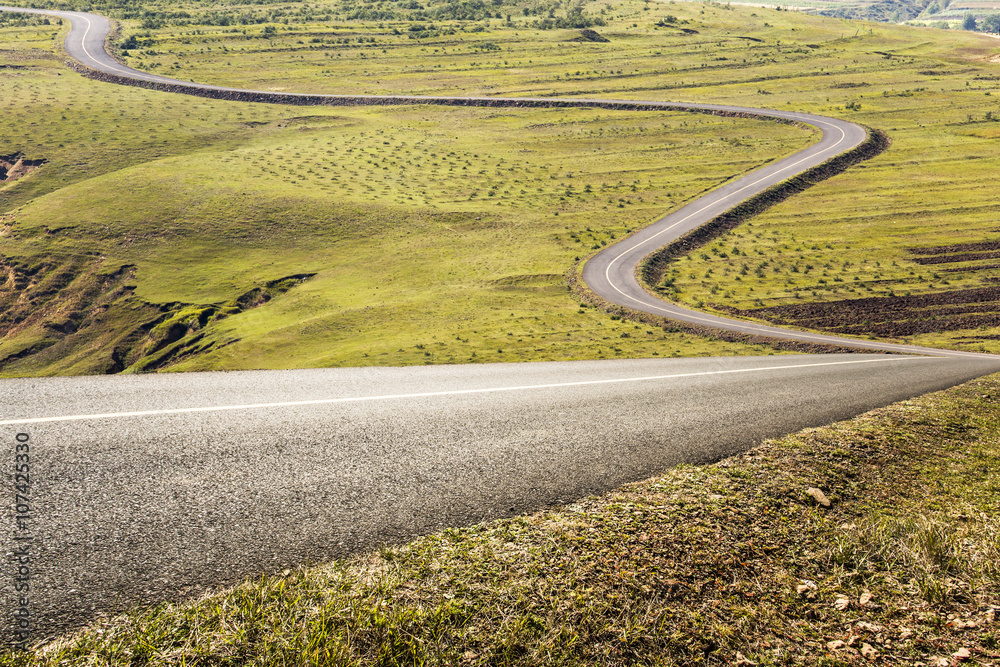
{"x": 80, "y": 316}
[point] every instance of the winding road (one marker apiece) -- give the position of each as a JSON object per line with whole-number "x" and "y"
{"x": 156, "y": 487}
{"x": 611, "y": 274}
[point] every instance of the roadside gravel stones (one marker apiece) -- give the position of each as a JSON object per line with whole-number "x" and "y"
{"x": 807, "y": 589}
{"x": 818, "y": 496}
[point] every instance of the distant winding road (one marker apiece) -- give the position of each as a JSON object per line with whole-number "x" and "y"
{"x": 611, "y": 274}
{"x": 151, "y": 488}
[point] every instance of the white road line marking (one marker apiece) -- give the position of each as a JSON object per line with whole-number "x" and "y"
{"x": 97, "y": 64}
{"x": 431, "y": 394}
{"x": 607, "y": 272}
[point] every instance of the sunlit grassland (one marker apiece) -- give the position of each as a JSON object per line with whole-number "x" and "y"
{"x": 647, "y": 52}
{"x": 435, "y": 234}
{"x": 83, "y": 130}
{"x": 933, "y": 91}
{"x": 464, "y": 256}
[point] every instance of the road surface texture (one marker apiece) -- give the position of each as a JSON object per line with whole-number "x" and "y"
{"x": 139, "y": 494}
{"x": 151, "y": 488}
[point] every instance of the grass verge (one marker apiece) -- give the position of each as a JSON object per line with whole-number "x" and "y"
{"x": 732, "y": 563}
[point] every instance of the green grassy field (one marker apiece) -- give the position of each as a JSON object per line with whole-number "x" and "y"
{"x": 410, "y": 235}
{"x": 423, "y": 235}
{"x": 930, "y": 90}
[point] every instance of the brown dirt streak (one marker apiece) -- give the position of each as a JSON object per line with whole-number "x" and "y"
{"x": 979, "y": 267}
{"x": 959, "y": 247}
{"x": 891, "y": 316}
{"x": 585, "y": 294}
{"x": 961, "y": 257}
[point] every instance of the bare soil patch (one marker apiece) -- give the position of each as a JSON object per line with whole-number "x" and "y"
{"x": 892, "y": 316}
{"x": 59, "y": 308}
{"x": 958, "y": 257}
{"x": 15, "y": 166}
{"x": 959, "y": 247}
{"x": 977, "y": 267}
{"x": 959, "y": 252}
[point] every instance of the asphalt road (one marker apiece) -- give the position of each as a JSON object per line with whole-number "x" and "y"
{"x": 157, "y": 487}
{"x": 149, "y": 488}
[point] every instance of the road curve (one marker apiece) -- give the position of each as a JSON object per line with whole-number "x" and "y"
{"x": 611, "y": 274}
